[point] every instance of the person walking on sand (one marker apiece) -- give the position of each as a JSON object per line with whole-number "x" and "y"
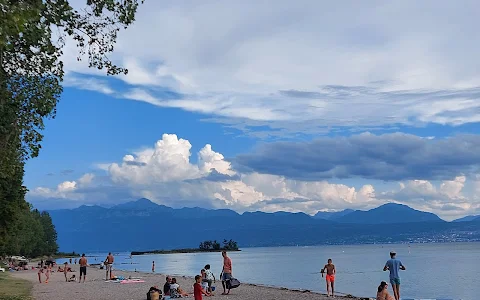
{"x": 49, "y": 271}
{"x": 394, "y": 265}
{"x": 40, "y": 272}
{"x": 83, "y": 268}
{"x": 108, "y": 265}
{"x": 330, "y": 277}
{"x": 226, "y": 272}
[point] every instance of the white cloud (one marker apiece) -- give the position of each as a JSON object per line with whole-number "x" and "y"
{"x": 232, "y": 59}
{"x": 166, "y": 175}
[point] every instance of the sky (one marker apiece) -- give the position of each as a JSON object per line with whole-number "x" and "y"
{"x": 274, "y": 106}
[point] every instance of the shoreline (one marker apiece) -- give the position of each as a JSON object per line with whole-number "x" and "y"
{"x": 176, "y": 251}
{"x": 97, "y": 288}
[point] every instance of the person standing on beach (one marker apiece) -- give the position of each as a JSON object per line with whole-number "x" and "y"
{"x": 226, "y": 272}
{"x": 330, "y": 277}
{"x": 83, "y": 268}
{"x": 65, "y": 271}
{"x": 394, "y": 265}
{"x": 108, "y": 265}
{"x": 75, "y": 261}
{"x": 153, "y": 266}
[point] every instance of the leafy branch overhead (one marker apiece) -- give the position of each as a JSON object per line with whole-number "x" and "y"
{"x": 33, "y": 34}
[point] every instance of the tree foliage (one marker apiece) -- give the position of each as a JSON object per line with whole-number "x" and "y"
{"x": 230, "y": 245}
{"x": 33, "y": 34}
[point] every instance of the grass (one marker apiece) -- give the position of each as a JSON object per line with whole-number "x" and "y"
{"x": 12, "y": 288}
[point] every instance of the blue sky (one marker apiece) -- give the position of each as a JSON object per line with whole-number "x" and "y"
{"x": 252, "y": 107}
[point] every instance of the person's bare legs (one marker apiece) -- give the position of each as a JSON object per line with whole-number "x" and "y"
{"x": 328, "y": 288}
{"x": 333, "y": 282}
{"x": 394, "y": 287}
{"x": 397, "y": 295}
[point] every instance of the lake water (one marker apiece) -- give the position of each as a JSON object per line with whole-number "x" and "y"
{"x": 443, "y": 271}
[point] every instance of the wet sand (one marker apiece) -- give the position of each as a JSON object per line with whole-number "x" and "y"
{"x": 97, "y": 288}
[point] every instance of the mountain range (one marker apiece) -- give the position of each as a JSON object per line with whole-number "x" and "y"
{"x": 143, "y": 225}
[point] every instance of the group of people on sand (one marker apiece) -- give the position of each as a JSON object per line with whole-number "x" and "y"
{"x": 203, "y": 285}
{"x": 393, "y": 265}
{"x": 46, "y": 269}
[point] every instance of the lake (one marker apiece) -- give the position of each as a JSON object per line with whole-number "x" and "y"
{"x": 449, "y": 271}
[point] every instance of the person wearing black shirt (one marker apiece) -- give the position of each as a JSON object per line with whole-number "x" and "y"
{"x": 166, "y": 286}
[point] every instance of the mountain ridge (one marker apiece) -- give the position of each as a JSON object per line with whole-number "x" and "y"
{"x": 142, "y": 224}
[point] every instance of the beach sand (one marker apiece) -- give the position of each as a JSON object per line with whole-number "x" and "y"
{"x": 96, "y": 288}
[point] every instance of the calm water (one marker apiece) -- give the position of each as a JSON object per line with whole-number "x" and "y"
{"x": 433, "y": 270}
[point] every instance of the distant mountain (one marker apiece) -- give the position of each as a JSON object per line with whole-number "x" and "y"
{"x": 140, "y": 204}
{"x": 144, "y": 225}
{"x": 332, "y": 215}
{"x": 467, "y": 219}
{"x": 388, "y": 214}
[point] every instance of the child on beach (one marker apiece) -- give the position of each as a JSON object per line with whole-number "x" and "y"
{"x": 210, "y": 277}
{"x": 65, "y": 271}
{"x": 40, "y": 272}
{"x": 49, "y": 271}
{"x": 198, "y": 292}
{"x": 204, "y": 279}
{"x": 330, "y": 277}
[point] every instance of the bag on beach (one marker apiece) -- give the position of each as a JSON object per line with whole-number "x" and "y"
{"x": 232, "y": 283}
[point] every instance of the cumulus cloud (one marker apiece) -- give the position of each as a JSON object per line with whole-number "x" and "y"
{"x": 302, "y": 68}
{"x": 166, "y": 175}
{"x": 396, "y": 156}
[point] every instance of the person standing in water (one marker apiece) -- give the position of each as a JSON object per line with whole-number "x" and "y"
{"x": 153, "y": 266}
{"x": 108, "y": 265}
{"x": 330, "y": 277}
{"x": 394, "y": 265}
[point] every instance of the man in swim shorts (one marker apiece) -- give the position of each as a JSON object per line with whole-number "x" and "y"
{"x": 108, "y": 265}
{"x": 394, "y": 265}
{"x": 83, "y": 268}
{"x": 226, "y": 272}
{"x": 330, "y": 277}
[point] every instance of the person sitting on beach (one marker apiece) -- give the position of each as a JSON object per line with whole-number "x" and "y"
{"x": 166, "y": 286}
{"x": 198, "y": 291}
{"x": 382, "y": 292}
{"x": 72, "y": 278}
{"x": 176, "y": 291}
{"x": 210, "y": 277}
{"x": 154, "y": 293}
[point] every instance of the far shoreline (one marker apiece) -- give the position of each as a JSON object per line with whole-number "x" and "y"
{"x": 182, "y": 251}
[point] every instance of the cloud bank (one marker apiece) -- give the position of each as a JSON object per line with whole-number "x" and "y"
{"x": 165, "y": 174}
{"x": 284, "y": 68}
{"x": 396, "y": 156}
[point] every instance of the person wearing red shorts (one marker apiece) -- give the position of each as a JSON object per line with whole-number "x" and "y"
{"x": 330, "y": 277}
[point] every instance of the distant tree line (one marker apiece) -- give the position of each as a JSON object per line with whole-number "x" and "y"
{"x": 230, "y": 245}
{"x": 32, "y": 234}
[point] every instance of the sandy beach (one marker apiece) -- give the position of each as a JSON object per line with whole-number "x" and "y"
{"x": 97, "y": 288}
